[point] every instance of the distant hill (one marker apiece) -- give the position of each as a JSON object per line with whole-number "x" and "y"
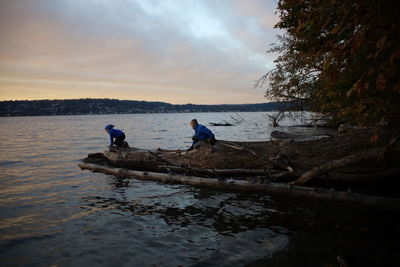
{"x": 114, "y": 106}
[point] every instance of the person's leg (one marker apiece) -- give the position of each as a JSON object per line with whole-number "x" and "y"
{"x": 119, "y": 141}
{"x": 195, "y": 139}
{"x": 125, "y": 144}
{"x": 211, "y": 141}
{"x": 199, "y": 144}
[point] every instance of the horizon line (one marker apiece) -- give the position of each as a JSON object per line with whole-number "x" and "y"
{"x": 5, "y": 100}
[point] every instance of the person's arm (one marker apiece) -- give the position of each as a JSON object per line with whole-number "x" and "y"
{"x": 195, "y": 139}
{"x": 196, "y": 135}
{"x": 211, "y": 134}
{"x": 111, "y": 139}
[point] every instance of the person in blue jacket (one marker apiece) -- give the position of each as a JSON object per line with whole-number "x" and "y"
{"x": 116, "y": 134}
{"x": 201, "y": 135}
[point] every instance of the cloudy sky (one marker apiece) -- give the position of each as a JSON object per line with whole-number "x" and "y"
{"x": 177, "y": 51}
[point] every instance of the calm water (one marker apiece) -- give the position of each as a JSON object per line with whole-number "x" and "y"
{"x": 54, "y": 214}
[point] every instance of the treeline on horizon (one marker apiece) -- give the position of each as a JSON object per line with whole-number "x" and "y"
{"x": 115, "y": 106}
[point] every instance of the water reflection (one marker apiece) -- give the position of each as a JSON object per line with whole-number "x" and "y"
{"x": 213, "y": 228}
{"x": 52, "y": 213}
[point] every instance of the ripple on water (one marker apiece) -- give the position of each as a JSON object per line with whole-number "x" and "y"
{"x": 9, "y": 162}
{"x": 52, "y": 213}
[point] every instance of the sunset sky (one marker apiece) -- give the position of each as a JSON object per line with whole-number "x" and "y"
{"x": 177, "y": 51}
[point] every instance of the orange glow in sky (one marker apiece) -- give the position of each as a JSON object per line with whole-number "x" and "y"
{"x": 202, "y": 52}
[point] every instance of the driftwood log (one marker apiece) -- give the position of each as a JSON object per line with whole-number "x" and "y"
{"x": 272, "y": 188}
{"x": 221, "y": 124}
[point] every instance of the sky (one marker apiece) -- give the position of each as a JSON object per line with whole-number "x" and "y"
{"x": 176, "y": 51}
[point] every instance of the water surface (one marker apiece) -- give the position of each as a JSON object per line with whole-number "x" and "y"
{"x": 54, "y": 214}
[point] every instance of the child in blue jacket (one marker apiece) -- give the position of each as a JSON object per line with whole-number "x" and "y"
{"x": 201, "y": 135}
{"x": 116, "y": 134}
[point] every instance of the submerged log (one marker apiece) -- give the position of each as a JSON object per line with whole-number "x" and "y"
{"x": 241, "y": 185}
{"x": 221, "y": 124}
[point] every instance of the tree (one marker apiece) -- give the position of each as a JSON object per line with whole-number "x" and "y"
{"x": 339, "y": 57}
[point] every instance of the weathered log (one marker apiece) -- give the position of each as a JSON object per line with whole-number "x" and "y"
{"x": 208, "y": 157}
{"x": 140, "y": 159}
{"x": 335, "y": 164}
{"x": 273, "y": 188}
{"x": 159, "y": 161}
{"x": 216, "y": 172}
{"x": 283, "y": 135}
{"x": 279, "y": 135}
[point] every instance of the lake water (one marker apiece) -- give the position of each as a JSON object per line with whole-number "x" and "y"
{"x": 54, "y": 214}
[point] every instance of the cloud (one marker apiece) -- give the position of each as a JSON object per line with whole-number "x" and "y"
{"x": 177, "y": 51}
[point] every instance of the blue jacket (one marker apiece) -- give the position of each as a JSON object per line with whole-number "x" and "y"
{"x": 202, "y": 132}
{"x": 114, "y": 133}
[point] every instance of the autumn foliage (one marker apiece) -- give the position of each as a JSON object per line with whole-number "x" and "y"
{"x": 339, "y": 57}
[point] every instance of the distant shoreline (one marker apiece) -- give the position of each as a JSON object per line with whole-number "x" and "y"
{"x": 97, "y": 114}
{"x": 73, "y": 107}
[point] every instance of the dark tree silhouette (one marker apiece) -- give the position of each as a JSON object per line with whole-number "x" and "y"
{"x": 339, "y": 57}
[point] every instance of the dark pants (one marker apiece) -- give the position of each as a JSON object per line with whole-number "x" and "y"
{"x": 119, "y": 141}
{"x": 212, "y": 141}
{"x": 197, "y": 142}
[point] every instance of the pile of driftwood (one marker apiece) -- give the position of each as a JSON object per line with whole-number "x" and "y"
{"x": 332, "y": 167}
{"x": 225, "y": 123}
{"x": 235, "y": 121}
